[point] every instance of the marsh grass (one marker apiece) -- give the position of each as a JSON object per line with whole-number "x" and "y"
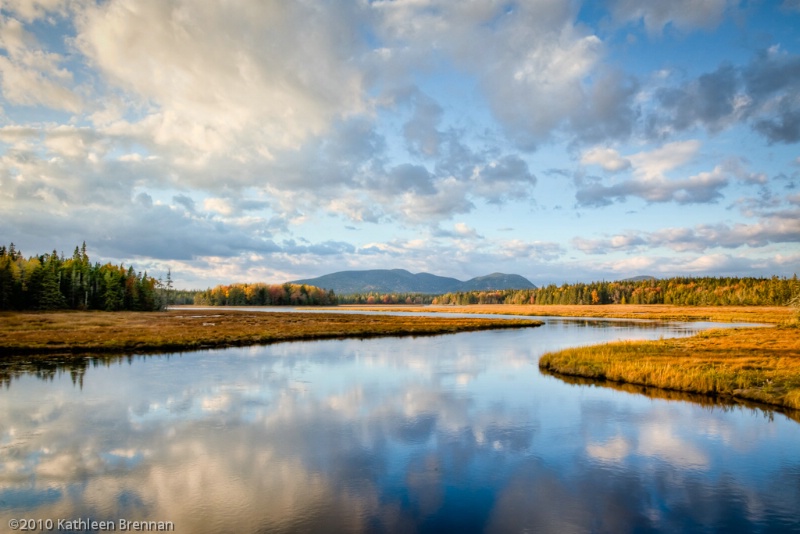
{"x": 189, "y": 329}
{"x": 758, "y": 364}
{"x": 657, "y": 312}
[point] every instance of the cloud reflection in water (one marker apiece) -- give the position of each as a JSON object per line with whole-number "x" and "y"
{"x": 386, "y": 435}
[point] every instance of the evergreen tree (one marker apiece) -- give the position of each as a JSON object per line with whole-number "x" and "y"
{"x": 49, "y": 295}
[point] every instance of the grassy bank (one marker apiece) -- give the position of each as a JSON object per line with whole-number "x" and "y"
{"x": 758, "y": 364}
{"x": 189, "y": 329}
{"x": 658, "y": 312}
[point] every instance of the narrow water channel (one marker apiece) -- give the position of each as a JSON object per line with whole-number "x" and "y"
{"x": 433, "y": 434}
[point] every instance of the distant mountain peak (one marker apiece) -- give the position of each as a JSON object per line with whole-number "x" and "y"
{"x": 403, "y": 281}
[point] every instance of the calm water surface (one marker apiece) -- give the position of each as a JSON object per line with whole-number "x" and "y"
{"x": 448, "y": 433}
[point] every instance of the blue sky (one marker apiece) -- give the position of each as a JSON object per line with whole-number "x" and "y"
{"x": 270, "y": 141}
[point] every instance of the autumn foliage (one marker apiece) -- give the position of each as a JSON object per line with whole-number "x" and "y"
{"x": 681, "y": 291}
{"x": 52, "y": 282}
{"x": 265, "y": 295}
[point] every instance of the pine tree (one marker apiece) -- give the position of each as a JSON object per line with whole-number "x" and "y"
{"x": 49, "y": 292}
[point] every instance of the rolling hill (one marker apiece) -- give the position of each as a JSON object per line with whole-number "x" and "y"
{"x": 402, "y": 281}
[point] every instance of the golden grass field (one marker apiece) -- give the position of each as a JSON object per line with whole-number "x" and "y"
{"x": 757, "y": 364}
{"x": 187, "y": 329}
{"x": 658, "y": 312}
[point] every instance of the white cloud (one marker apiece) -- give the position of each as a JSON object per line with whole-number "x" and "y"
{"x": 13, "y": 37}
{"x": 717, "y": 264}
{"x": 218, "y": 205}
{"x": 532, "y": 250}
{"x": 32, "y": 76}
{"x": 655, "y": 163}
{"x": 464, "y": 230}
{"x": 683, "y": 14}
{"x": 701, "y": 188}
{"x": 607, "y": 158}
{"x": 625, "y": 243}
{"x": 760, "y": 94}
{"x": 30, "y": 10}
{"x": 18, "y": 136}
{"x": 227, "y": 78}
{"x": 501, "y": 179}
{"x": 773, "y": 228}
{"x": 650, "y": 181}
{"x": 533, "y": 59}
{"x": 353, "y": 209}
{"x": 448, "y": 198}
{"x": 421, "y": 131}
{"x": 217, "y": 130}
{"x": 71, "y": 142}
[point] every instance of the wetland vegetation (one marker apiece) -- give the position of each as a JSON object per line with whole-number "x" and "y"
{"x": 757, "y": 364}
{"x": 751, "y": 363}
{"x": 654, "y": 312}
{"x": 189, "y": 329}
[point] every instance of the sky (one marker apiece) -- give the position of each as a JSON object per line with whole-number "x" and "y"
{"x": 565, "y": 141}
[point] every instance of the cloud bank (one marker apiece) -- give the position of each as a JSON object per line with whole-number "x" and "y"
{"x": 304, "y": 134}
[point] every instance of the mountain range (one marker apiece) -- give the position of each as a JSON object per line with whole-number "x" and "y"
{"x": 402, "y": 281}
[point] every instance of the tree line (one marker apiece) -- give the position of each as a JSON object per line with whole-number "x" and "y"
{"x": 52, "y": 281}
{"x": 683, "y": 291}
{"x": 259, "y": 294}
{"x": 374, "y": 297}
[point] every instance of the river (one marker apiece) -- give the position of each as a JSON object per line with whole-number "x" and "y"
{"x": 454, "y": 433}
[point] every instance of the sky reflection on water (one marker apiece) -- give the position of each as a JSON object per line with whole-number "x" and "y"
{"x": 457, "y": 432}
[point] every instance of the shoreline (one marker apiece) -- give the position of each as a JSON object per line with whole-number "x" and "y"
{"x": 653, "y": 312}
{"x": 747, "y": 363}
{"x": 753, "y": 364}
{"x": 93, "y": 332}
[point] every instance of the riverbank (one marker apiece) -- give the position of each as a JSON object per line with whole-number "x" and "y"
{"x": 756, "y": 364}
{"x": 655, "y": 312}
{"x": 75, "y": 332}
